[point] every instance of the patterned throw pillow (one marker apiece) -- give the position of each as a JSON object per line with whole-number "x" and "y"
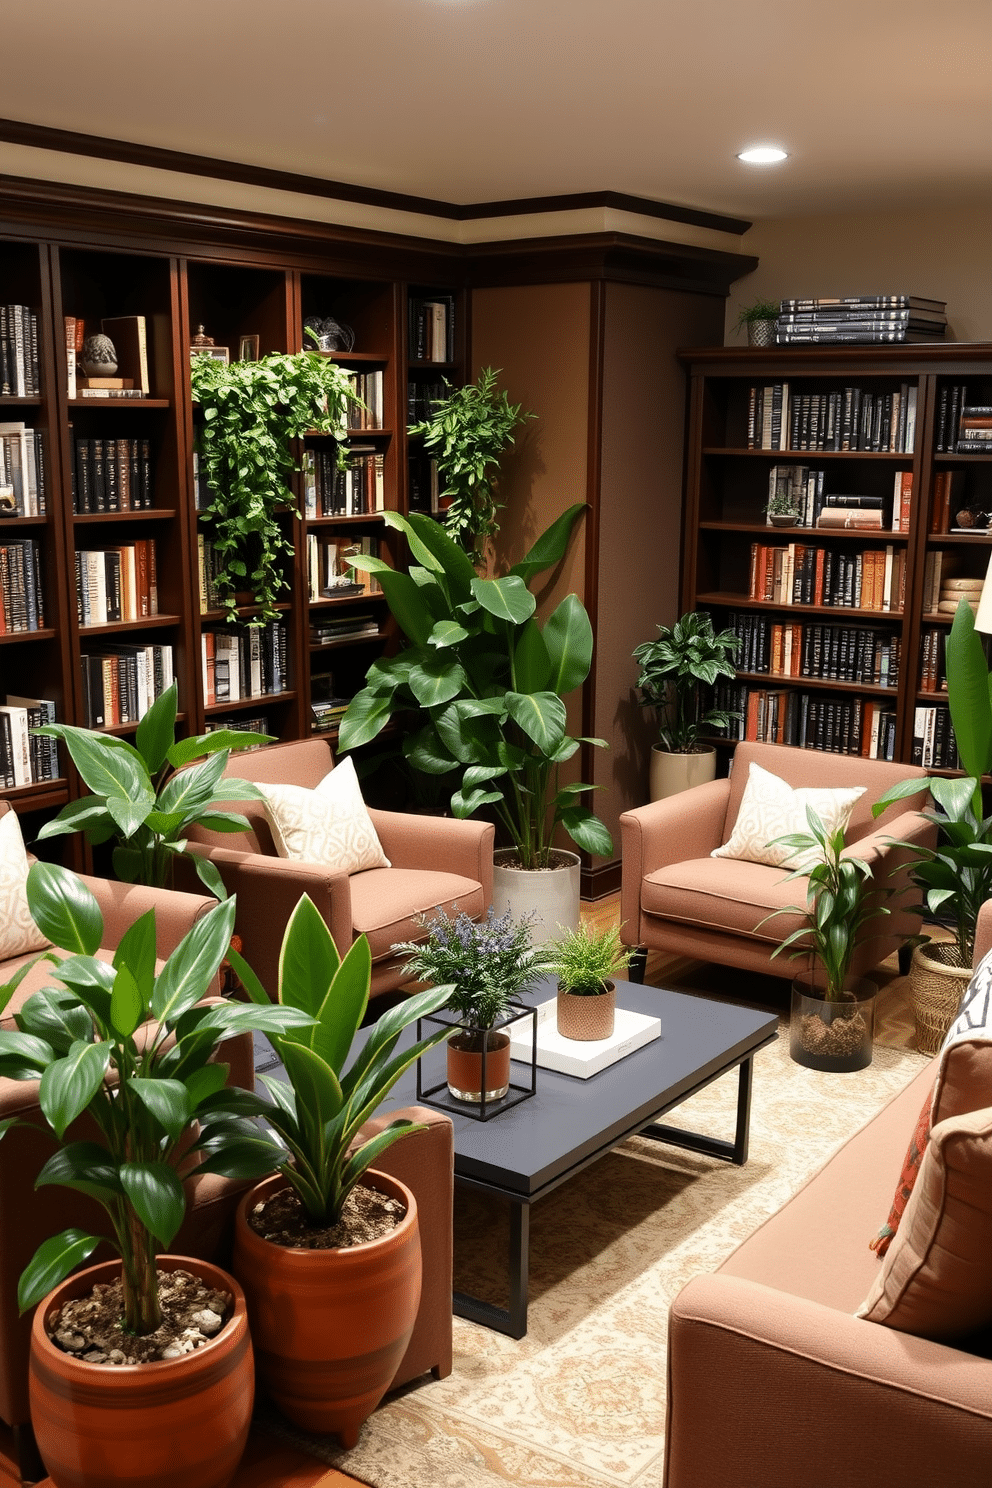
{"x": 910, "y": 1169}
{"x": 771, "y": 808}
{"x": 327, "y": 825}
{"x": 19, "y": 935}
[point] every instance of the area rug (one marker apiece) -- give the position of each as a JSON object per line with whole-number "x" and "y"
{"x": 580, "y": 1401}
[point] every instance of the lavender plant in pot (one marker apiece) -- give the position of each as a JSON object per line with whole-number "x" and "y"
{"x": 487, "y": 963}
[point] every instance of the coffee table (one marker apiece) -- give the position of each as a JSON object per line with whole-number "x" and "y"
{"x": 526, "y": 1151}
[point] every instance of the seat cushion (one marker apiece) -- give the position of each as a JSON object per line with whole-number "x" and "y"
{"x": 385, "y": 903}
{"x": 725, "y": 894}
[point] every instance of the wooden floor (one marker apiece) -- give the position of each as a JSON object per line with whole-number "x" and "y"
{"x": 269, "y": 1463}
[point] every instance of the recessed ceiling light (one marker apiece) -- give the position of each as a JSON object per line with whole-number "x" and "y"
{"x": 762, "y": 155}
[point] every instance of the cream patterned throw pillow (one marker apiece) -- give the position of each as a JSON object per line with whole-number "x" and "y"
{"x": 328, "y": 825}
{"x": 771, "y": 808}
{"x": 19, "y": 935}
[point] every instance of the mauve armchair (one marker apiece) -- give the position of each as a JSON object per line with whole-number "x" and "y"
{"x": 676, "y": 898}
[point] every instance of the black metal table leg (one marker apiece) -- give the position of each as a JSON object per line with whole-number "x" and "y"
{"x": 735, "y": 1151}
{"x": 510, "y": 1320}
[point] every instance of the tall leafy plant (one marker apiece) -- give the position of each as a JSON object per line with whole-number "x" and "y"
{"x": 144, "y": 799}
{"x": 251, "y": 414}
{"x": 81, "y": 1038}
{"x": 467, "y": 431}
{"x": 487, "y": 682}
{"x": 675, "y": 668}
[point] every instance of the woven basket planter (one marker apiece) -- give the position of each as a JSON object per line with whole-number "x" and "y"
{"x": 937, "y": 988}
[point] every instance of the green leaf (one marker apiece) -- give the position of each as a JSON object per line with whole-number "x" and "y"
{"x": 167, "y": 1100}
{"x": 344, "y": 1006}
{"x": 209, "y": 875}
{"x": 64, "y": 909}
{"x": 541, "y": 715}
{"x": 366, "y": 716}
{"x": 136, "y": 951}
{"x": 437, "y": 680}
{"x": 248, "y": 1155}
{"x": 51, "y": 1263}
{"x": 157, "y": 730}
{"x": 455, "y": 564}
{"x": 85, "y": 815}
{"x": 587, "y": 831}
{"x": 69, "y": 1084}
{"x": 86, "y": 1167}
{"x": 568, "y": 637}
{"x": 194, "y": 963}
{"x": 189, "y": 791}
{"x": 57, "y": 1017}
{"x": 507, "y": 599}
{"x": 426, "y": 753}
{"x": 127, "y": 1007}
{"x": 532, "y": 670}
{"x": 968, "y": 693}
{"x": 156, "y": 1196}
{"x": 405, "y": 600}
{"x": 109, "y": 767}
{"x": 447, "y": 633}
{"x": 308, "y": 959}
{"x": 550, "y": 547}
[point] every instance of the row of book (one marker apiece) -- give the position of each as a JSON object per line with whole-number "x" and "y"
{"x": 852, "y": 418}
{"x": 26, "y": 758}
{"x": 353, "y": 492}
{"x": 807, "y": 720}
{"x": 326, "y": 629}
{"x": 117, "y": 583}
{"x": 421, "y": 398}
{"x": 111, "y": 475}
{"x": 129, "y": 335}
{"x": 330, "y": 574}
{"x": 20, "y": 367}
{"x": 327, "y": 707}
{"x": 122, "y": 680}
{"x": 209, "y": 564}
{"x": 830, "y": 653}
{"x": 934, "y": 745}
{"x": 244, "y": 661}
{"x": 802, "y": 574}
{"x": 962, "y": 427}
{"x": 365, "y": 412}
{"x": 247, "y": 723}
{"x": 802, "y": 487}
{"x": 432, "y": 328}
{"x": 854, "y": 319}
{"x": 425, "y": 487}
{"x": 21, "y": 596}
{"x": 22, "y": 471}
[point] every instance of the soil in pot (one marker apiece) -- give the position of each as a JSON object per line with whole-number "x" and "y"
{"x": 90, "y": 1327}
{"x": 834, "y": 1036}
{"x": 465, "y": 1074}
{"x": 367, "y": 1215}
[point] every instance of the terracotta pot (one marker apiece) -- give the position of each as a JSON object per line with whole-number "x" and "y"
{"x": 672, "y": 773}
{"x": 177, "y": 1421}
{"x": 587, "y": 1017}
{"x": 465, "y": 1077}
{"x": 330, "y": 1327}
{"x": 836, "y": 1037}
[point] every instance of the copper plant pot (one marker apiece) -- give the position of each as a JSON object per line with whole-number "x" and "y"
{"x": 587, "y": 1017}
{"x": 330, "y": 1326}
{"x": 155, "y": 1425}
{"x": 464, "y": 1051}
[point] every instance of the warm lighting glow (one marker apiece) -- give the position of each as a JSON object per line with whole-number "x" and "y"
{"x": 762, "y": 155}
{"x": 983, "y": 616}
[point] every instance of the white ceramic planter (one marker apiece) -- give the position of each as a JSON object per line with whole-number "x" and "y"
{"x": 671, "y": 773}
{"x": 553, "y": 893}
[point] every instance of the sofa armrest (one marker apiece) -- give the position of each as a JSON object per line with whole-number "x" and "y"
{"x": 689, "y": 825}
{"x": 121, "y": 904}
{"x": 442, "y": 844}
{"x": 983, "y": 932}
{"x": 806, "y": 1394}
{"x": 268, "y": 891}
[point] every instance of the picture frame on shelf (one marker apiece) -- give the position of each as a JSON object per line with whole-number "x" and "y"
{"x": 217, "y": 353}
{"x": 248, "y": 349}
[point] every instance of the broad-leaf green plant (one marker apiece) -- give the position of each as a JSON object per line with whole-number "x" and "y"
{"x": 252, "y": 415}
{"x": 675, "y": 668}
{"x": 88, "y": 1040}
{"x": 488, "y": 683}
{"x": 467, "y": 431}
{"x": 318, "y": 1112}
{"x": 145, "y": 800}
{"x": 839, "y": 904}
{"x": 956, "y": 875}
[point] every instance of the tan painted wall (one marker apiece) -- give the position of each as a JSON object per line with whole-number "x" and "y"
{"x": 941, "y": 254}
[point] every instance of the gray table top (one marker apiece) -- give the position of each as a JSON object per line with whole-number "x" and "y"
{"x": 532, "y": 1146}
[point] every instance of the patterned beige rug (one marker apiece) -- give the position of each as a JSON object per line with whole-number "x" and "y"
{"x": 580, "y": 1402}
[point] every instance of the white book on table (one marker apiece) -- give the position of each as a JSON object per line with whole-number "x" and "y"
{"x": 581, "y": 1057}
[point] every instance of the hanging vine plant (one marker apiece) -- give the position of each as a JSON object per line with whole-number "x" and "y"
{"x": 252, "y": 414}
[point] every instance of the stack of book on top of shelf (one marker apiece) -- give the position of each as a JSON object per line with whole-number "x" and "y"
{"x": 341, "y": 628}
{"x": 847, "y": 511}
{"x": 953, "y": 591}
{"x": 22, "y": 471}
{"x": 868, "y": 319}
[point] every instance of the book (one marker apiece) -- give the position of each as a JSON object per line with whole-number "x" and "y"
{"x": 581, "y": 1057}
{"x": 876, "y": 301}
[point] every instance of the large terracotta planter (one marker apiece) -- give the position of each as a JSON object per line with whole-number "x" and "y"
{"x": 551, "y": 893}
{"x": 330, "y": 1327}
{"x": 586, "y": 1018}
{"x": 671, "y": 773}
{"x": 464, "y": 1065}
{"x": 177, "y": 1423}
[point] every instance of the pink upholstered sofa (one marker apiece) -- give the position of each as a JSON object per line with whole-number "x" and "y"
{"x": 772, "y": 1379}
{"x": 676, "y": 898}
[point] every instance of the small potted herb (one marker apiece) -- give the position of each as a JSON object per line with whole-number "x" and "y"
{"x": 487, "y": 963}
{"x": 760, "y": 320}
{"x": 782, "y": 509}
{"x": 585, "y": 963}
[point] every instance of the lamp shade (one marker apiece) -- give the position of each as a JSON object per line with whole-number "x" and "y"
{"x": 983, "y": 615}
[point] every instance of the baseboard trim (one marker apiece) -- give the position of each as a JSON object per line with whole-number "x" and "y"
{"x": 597, "y": 883}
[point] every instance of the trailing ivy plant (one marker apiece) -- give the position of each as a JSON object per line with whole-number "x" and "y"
{"x": 467, "y": 432}
{"x": 252, "y": 413}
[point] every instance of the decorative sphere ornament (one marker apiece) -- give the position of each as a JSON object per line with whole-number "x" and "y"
{"x": 99, "y": 356}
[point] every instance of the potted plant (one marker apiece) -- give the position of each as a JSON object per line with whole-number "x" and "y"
{"x": 252, "y": 413}
{"x": 782, "y": 509}
{"x": 89, "y": 1041}
{"x": 467, "y": 432}
{"x": 485, "y": 964}
{"x": 832, "y": 1019}
{"x": 486, "y": 682}
{"x": 760, "y": 319}
{"x": 685, "y": 658}
{"x": 956, "y": 875}
{"x": 585, "y": 963}
{"x": 328, "y": 1250}
{"x": 145, "y": 799}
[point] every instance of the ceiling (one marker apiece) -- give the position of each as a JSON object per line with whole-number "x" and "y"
{"x": 881, "y": 103}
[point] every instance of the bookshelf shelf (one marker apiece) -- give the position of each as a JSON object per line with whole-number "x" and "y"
{"x": 17, "y": 637}
{"x": 133, "y": 405}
